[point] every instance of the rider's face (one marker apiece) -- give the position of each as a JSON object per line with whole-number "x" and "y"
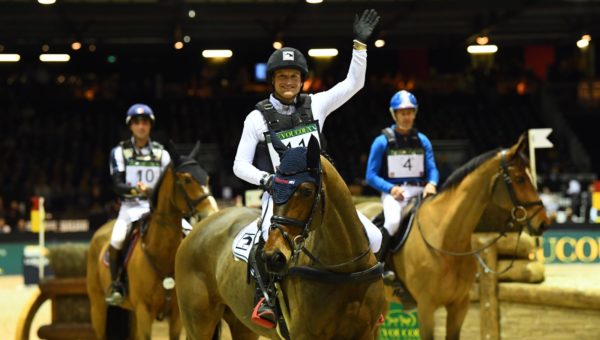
{"x": 140, "y": 127}
{"x": 405, "y": 118}
{"x": 287, "y": 84}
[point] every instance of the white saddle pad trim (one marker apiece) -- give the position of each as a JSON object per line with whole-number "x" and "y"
{"x": 244, "y": 241}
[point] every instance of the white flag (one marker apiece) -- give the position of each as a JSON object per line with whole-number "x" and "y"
{"x": 538, "y": 138}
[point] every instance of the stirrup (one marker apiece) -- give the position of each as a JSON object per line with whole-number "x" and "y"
{"x": 389, "y": 277}
{"x": 263, "y": 315}
{"x": 114, "y": 297}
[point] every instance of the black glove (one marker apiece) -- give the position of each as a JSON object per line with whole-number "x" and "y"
{"x": 363, "y": 26}
{"x": 266, "y": 182}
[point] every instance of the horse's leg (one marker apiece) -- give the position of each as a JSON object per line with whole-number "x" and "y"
{"x": 143, "y": 322}
{"x": 98, "y": 316}
{"x": 174, "y": 324}
{"x": 198, "y": 315}
{"x": 457, "y": 312}
{"x": 426, "y": 320}
{"x": 239, "y": 331}
{"x": 98, "y": 307}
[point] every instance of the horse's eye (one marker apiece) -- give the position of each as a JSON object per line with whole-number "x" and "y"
{"x": 305, "y": 192}
{"x": 520, "y": 179}
{"x": 188, "y": 181}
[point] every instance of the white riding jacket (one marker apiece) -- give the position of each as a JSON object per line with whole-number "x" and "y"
{"x": 322, "y": 104}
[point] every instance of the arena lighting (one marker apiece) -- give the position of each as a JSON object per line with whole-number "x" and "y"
{"x": 76, "y": 45}
{"x": 482, "y": 40}
{"x": 482, "y": 49}
{"x": 379, "y": 43}
{"x": 191, "y": 13}
{"x": 54, "y": 58}
{"x": 9, "y": 58}
{"x": 187, "y": 39}
{"x": 584, "y": 41}
{"x": 46, "y": 2}
{"x": 217, "y": 53}
{"x": 277, "y": 44}
{"x": 323, "y": 52}
{"x": 178, "y": 45}
{"x": 314, "y": 1}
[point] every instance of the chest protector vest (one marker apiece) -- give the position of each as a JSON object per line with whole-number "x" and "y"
{"x": 277, "y": 122}
{"x": 142, "y": 168}
{"x": 404, "y": 147}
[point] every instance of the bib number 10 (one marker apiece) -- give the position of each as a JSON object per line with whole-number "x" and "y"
{"x": 146, "y": 176}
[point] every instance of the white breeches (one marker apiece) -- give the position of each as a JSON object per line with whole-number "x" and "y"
{"x": 130, "y": 212}
{"x": 372, "y": 231}
{"x": 392, "y": 208}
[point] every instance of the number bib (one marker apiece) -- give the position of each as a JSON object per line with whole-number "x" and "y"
{"x": 404, "y": 163}
{"x": 147, "y": 174}
{"x": 292, "y": 138}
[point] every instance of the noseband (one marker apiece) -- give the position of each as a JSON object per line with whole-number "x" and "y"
{"x": 518, "y": 213}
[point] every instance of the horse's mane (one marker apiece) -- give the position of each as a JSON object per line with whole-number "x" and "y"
{"x": 459, "y": 174}
{"x": 154, "y": 193}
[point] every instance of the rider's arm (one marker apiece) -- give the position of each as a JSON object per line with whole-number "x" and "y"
{"x": 432, "y": 174}
{"x": 376, "y": 158}
{"x": 117, "y": 172}
{"x": 323, "y": 103}
{"x": 254, "y": 127}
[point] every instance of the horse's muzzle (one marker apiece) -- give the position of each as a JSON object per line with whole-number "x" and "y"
{"x": 275, "y": 262}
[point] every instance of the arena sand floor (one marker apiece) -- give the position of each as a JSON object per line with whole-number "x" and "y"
{"x": 14, "y": 296}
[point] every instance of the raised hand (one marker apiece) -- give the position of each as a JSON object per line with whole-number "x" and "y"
{"x": 363, "y": 26}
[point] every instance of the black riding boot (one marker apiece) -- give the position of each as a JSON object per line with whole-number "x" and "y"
{"x": 388, "y": 275}
{"x": 385, "y": 244}
{"x": 262, "y": 314}
{"x": 115, "y": 294}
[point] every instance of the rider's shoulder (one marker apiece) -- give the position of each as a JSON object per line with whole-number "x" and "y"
{"x": 157, "y": 145}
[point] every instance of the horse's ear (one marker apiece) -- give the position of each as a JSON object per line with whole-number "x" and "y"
{"x": 313, "y": 155}
{"x": 521, "y": 147}
{"x": 175, "y": 158}
{"x": 277, "y": 143}
{"x": 195, "y": 151}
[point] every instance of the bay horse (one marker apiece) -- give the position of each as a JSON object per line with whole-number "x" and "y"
{"x": 330, "y": 284}
{"x": 181, "y": 191}
{"x": 435, "y": 263}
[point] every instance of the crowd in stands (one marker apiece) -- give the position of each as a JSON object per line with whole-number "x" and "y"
{"x": 58, "y": 128}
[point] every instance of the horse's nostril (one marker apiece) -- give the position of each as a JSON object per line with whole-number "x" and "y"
{"x": 276, "y": 262}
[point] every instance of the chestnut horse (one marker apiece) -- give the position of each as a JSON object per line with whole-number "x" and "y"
{"x": 435, "y": 263}
{"x": 181, "y": 191}
{"x": 329, "y": 284}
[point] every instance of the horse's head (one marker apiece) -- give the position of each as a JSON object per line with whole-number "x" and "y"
{"x": 190, "y": 194}
{"x": 513, "y": 189}
{"x": 296, "y": 193}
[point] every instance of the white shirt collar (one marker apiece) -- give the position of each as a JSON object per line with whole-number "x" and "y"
{"x": 281, "y": 108}
{"x": 145, "y": 150}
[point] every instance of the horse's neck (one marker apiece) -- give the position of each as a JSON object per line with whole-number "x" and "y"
{"x": 164, "y": 232}
{"x": 455, "y": 213}
{"x": 340, "y": 236}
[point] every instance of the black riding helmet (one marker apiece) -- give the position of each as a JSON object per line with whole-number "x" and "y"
{"x": 287, "y": 57}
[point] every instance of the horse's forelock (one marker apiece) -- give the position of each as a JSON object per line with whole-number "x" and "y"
{"x": 192, "y": 167}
